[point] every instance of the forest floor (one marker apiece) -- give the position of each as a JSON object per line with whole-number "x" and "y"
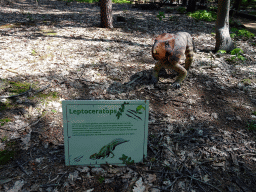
{"x": 201, "y": 136}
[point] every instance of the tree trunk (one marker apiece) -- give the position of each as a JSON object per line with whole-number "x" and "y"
{"x": 184, "y": 3}
{"x": 237, "y": 5}
{"x": 106, "y": 13}
{"x": 191, "y": 6}
{"x": 223, "y": 40}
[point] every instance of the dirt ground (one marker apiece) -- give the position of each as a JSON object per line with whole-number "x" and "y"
{"x": 201, "y": 136}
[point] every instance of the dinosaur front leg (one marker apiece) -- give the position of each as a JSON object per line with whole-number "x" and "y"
{"x": 182, "y": 75}
{"x": 189, "y": 57}
{"x": 156, "y": 70}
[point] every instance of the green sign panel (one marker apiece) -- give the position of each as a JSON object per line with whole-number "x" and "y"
{"x": 96, "y": 132}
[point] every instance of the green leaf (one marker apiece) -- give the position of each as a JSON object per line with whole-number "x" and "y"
{"x": 236, "y": 51}
{"x": 222, "y": 51}
{"x": 119, "y": 114}
{"x": 139, "y": 108}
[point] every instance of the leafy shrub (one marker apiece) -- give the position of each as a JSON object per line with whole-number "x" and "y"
{"x": 181, "y": 9}
{"x": 245, "y": 33}
{"x": 6, "y": 156}
{"x": 241, "y": 33}
{"x": 236, "y": 51}
{"x": 252, "y": 126}
{"x": 234, "y": 30}
{"x": 204, "y": 15}
{"x": 5, "y": 120}
{"x": 160, "y": 15}
{"x": 232, "y": 35}
{"x": 246, "y": 81}
{"x": 237, "y": 54}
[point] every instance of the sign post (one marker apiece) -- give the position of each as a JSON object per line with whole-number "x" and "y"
{"x": 100, "y": 131}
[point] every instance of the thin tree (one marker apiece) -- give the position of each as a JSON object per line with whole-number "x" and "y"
{"x": 106, "y": 13}
{"x": 237, "y": 5}
{"x": 184, "y": 3}
{"x": 191, "y": 6}
{"x": 223, "y": 39}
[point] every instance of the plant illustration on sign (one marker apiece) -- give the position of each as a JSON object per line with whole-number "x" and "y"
{"x": 77, "y": 159}
{"x": 134, "y": 114}
{"x": 108, "y": 149}
{"x": 121, "y": 110}
{"x": 126, "y": 160}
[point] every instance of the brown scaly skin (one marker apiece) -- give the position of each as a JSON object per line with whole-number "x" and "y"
{"x": 168, "y": 49}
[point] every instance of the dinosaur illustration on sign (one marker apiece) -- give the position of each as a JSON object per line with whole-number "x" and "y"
{"x": 108, "y": 149}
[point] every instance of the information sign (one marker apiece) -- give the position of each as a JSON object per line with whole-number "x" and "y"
{"x": 100, "y": 131}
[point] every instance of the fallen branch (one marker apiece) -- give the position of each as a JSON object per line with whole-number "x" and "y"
{"x": 13, "y": 71}
{"x": 40, "y": 90}
{"x": 32, "y": 124}
{"x": 3, "y": 97}
{"x": 21, "y": 167}
{"x": 208, "y": 67}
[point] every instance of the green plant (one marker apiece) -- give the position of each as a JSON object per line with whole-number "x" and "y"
{"x": 6, "y": 105}
{"x": 6, "y": 156}
{"x": 203, "y": 15}
{"x": 246, "y": 81}
{"x": 232, "y": 35}
{"x": 126, "y": 160}
{"x": 101, "y": 179}
{"x": 5, "y": 120}
{"x": 181, "y": 9}
{"x": 251, "y": 126}
{"x": 213, "y": 8}
{"x": 33, "y": 52}
{"x": 234, "y": 30}
{"x": 237, "y": 54}
{"x": 29, "y": 16}
{"x": 254, "y": 113}
{"x": 51, "y": 95}
{"x": 241, "y": 33}
{"x": 245, "y": 33}
{"x": 19, "y": 87}
{"x": 222, "y": 51}
{"x": 160, "y": 15}
{"x": 4, "y": 138}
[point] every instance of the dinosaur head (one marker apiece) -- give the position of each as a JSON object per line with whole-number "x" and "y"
{"x": 158, "y": 50}
{"x": 164, "y": 44}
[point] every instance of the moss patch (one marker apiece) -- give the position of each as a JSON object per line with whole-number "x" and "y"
{"x": 4, "y": 120}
